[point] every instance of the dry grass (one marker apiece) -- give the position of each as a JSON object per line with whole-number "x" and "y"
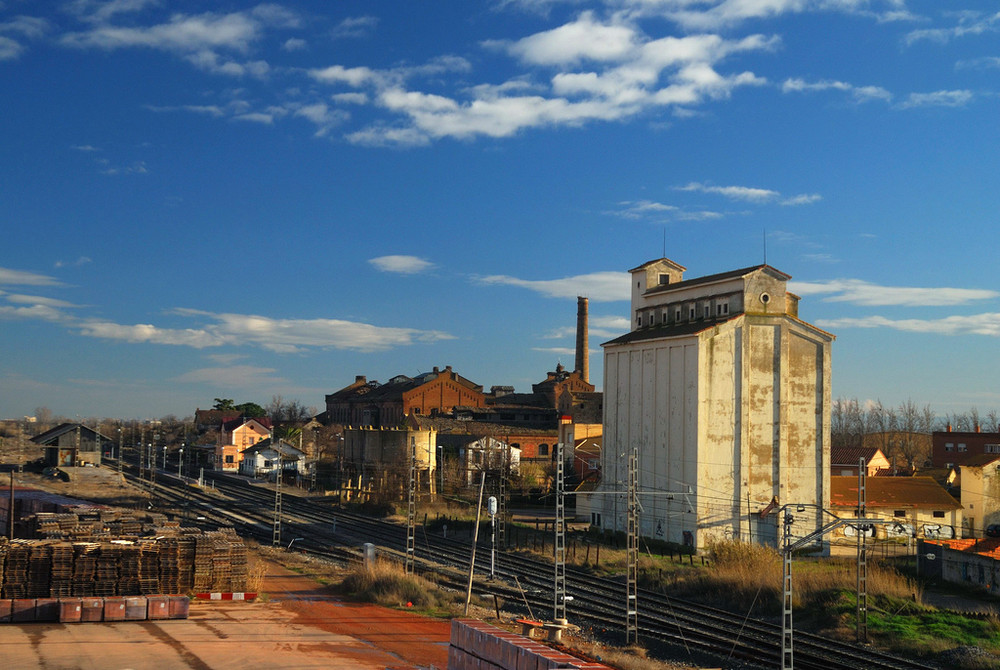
{"x": 622, "y": 658}
{"x": 386, "y": 583}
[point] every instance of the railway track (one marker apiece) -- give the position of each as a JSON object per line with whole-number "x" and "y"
{"x": 598, "y": 603}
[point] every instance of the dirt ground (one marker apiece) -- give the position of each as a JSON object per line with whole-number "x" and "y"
{"x": 299, "y": 627}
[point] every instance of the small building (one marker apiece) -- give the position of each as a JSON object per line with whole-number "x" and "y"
{"x": 844, "y": 461}
{"x": 72, "y": 445}
{"x": 237, "y": 435}
{"x": 970, "y": 562}
{"x": 476, "y": 453}
{"x": 949, "y": 449}
{"x": 980, "y": 486}
{"x": 263, "y": 459}
{"x": 918, "y": 506}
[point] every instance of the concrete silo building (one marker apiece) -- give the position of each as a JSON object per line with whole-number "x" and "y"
{"x": 725, "y": 395}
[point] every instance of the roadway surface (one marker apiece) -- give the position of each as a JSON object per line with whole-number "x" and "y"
{"x": 299, "y": 627}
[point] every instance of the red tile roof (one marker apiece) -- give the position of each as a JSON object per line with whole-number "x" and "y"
{"x": 897, "y": 492}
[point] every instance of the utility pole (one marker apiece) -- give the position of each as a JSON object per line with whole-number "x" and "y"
{"x": 475, "y": 541}
{"x": 787, "y": 662}
{"x": 559, "y": 607}
{"x": 10, "y": 510}
{"x": 411, "y": 507}
{"x": 502, "y": 497}
{"x": 276, "y": 532}
{"x": 862, "y": 576}
{"x": 632, "y": 579}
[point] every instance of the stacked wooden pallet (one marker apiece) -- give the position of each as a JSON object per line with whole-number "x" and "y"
{"x": 84, "y": 567}
{"x": 149, "y": 567}
{"x": 16, "y": 570}
{"x": 61, "y": 585}
{"x": 39, "y": 571}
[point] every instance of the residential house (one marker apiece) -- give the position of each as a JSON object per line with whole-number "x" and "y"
{"x": 724, "y": 393}
{"x": 918, "y": 506}
{"x": 950, "y": 448}
{"x": 980, "y": 486}
{"x": 263, "y": 459}
{"x": 235, "y": 436}
{"x": 72, "y": 445}
{"x": 844, "y": 461}
{"x": 477, "y": 453}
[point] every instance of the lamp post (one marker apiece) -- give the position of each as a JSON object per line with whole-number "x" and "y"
{"x": 180, "y": 462}
{"x": 491, "y": 509}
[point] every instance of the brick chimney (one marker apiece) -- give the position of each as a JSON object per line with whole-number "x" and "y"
{"x": 582, "y": 340}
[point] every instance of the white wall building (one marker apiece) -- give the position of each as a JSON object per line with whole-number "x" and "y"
{"x": 725, "y": 394}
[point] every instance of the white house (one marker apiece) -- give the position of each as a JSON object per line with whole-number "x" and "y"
{"x": 724, "y": 393}
{"x": 261, "y": 459}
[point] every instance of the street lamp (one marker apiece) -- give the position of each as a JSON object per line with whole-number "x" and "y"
{"x": 180, "y": 461}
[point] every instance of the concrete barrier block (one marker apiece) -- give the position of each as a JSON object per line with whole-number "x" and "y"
{"x": 47, "y": 609}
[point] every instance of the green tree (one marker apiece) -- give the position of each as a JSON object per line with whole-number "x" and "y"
{"x": 251, "y": 410}
{"x": 223, "y": 404}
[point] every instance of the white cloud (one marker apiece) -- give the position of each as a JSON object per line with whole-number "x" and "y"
{"x": 94, "y": 11}
{"x": 873, "y": 295}
{"x": 27, "y": 26}
{"x": 256, "y": 117}
{"x": 149, "y": 334}
{"x": 294, "y": 44}
{"x": 350, "y": 98}
{"x": 745, "y": 193}
{"x": 290, "y": 335}
{"x": 338, "y": 74}
{"x": 804, "y": 199}
{"x": 977, "y": 324}
{"x": 401, "y": 264}
{"x": 583, "y": 39}
{"x": 938, "y": 99}
{"x": 182, "y": 33}
{"x": 597, "y": 286}
{"x": 21, "y": 299}
{"x": 355, "y": 27}
{"x": 209, "y": 110}
{"x": 968, "y": 23}
{"x": 643, "y": 208}
{"x": 23, "y": 278}
{"x": 859, "y": 93}
{"x": 10, "y": 49}
{"x": 82, "y": 260}
{"x": 35, "y": 311}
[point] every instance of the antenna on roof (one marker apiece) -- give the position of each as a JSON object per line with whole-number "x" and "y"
{"x": 764, "y": 234}
{"x": 664, "y": 242}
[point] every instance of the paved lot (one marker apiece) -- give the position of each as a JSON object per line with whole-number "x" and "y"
{"x": 298, "y": 628}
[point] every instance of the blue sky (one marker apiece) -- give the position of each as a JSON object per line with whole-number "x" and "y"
{"x": 204, "y": 199}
